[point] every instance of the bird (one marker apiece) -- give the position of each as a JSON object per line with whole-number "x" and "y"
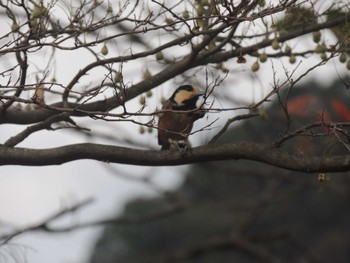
{"x": 179, "y": 113}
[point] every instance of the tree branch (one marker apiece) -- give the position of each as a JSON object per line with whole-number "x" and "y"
{"x": 229, "y": 122}
{"x": 25, "y": 117}
{"x": 114, "y": 154}
{"x": 14, "y": 140}
{"x": 43, "y": 225}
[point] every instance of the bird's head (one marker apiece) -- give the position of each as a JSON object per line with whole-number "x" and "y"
{"x": 187, "y": 97}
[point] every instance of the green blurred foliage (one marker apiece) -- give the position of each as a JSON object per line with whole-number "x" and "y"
{"x": 295, "y": 18}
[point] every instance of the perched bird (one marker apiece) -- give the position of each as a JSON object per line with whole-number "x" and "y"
{"x": 176, "y": 122}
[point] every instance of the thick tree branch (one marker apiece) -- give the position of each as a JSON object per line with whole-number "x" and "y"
{"x": 114, "y": 154}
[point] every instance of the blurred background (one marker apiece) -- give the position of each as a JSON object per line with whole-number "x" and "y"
{"x": 239, "y": 211}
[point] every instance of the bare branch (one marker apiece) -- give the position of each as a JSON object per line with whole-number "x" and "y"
{"x": 43, "y": 225}
{"x": 229, "y": 122}
{"x": 36, "y": 127}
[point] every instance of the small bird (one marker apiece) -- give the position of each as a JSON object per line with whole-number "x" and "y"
{"x": 180, "y": 112}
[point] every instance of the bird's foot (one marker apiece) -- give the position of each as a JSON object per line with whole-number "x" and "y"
{"x": 182, "y": 146}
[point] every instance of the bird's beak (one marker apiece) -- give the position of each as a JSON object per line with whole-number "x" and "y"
{"x": 200, "y": 102}
{"x": 197, "y": 92}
